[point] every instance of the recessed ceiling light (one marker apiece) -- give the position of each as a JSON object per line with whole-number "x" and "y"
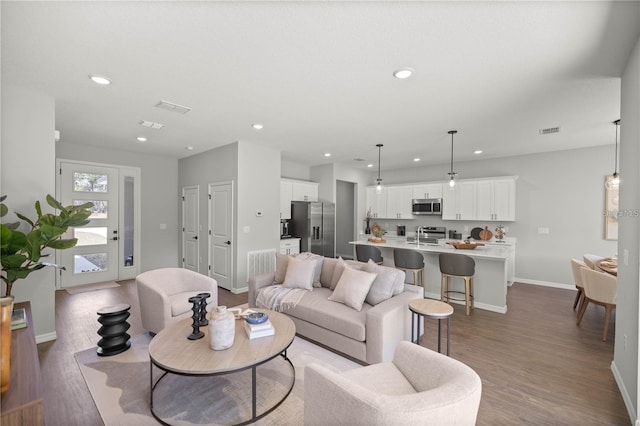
{"x": 477, "y": 151}
{"x": 188, "y": 148}
{"x": 257, "y": 126}
{"x": 141, "y": 139}
{"x": 100, "y": 79}
{"x": 369, "y": 165}
{"x": 403, "y": 73}
{"x": 416, "y": 159}
{"x": 327, "y": 154}
{"x": 150, "y": 124}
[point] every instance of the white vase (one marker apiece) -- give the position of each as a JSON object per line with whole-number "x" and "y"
{"x": 222, "y": 329}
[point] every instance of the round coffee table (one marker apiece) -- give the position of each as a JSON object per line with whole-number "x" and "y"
{"x": 171, "y": 352}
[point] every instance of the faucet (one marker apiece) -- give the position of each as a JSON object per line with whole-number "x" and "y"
{"x": 419, "y": 231}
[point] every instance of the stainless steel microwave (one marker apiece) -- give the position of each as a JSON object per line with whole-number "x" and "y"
{"x": 432, "y": 206}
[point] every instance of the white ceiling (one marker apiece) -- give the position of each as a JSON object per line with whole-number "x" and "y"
{"x": 318, "y": 75}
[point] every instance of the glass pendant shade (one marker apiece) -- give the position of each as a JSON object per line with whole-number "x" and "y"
{"x": 379, "y": 180}
{"x": 613, "y": 181}
{"x": 452, "y": 174}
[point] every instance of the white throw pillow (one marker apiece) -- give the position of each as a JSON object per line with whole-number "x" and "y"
{"x": 319, "y": 259}
{"x": 282, "y": 260}
{"x": 352, "y": 288}
{"x": 384, "y": 284}
{"x": 300, "y": 273}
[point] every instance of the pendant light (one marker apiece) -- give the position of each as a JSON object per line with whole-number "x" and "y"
{"x": 615, "y": 178}
{"x": 452, "y": 174}
{"x": 379, "y": 180}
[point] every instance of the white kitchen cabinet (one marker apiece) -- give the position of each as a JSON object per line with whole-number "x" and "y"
{"x": 377, "y": 202}
{"x": 290, "y": 246}
{"x": 305, "y": 191}
{"x": 399, "y": 202}
{"x": 496, "y": 200}
{"x": 459, "y": 202}
{"x": 286, "y": 196}
{"x": 428, "y": 190}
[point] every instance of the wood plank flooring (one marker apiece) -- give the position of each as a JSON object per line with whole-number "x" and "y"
{"x": 537, "y": 367}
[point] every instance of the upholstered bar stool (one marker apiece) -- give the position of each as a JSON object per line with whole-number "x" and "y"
{"x": 365, "y": 252}
{"x": 410, "y": 261}
{"x": 457, "y": 266}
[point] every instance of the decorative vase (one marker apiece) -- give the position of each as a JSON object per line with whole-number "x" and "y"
{"x": 367, "y": 230}
{"x": 222, "y": 329}
{"x": 6, "y": 308}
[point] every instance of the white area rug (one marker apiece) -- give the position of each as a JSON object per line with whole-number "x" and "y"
{"x": 120, "y": 385}
{"x": 91, "y": 287}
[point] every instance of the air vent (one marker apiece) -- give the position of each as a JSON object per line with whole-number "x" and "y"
{"x": 170, "y": 106}
{"x": 549, "y": 130}
{"x": 151, "y": 124}
{"x": 359, "y": 159}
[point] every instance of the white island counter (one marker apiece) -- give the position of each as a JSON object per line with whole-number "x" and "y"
{"x": 490, "y": 280}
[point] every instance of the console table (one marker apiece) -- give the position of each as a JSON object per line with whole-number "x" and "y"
{"x": 22, "y": 403}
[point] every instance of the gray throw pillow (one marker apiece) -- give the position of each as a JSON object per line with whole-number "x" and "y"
{"x": 384, "y": 284}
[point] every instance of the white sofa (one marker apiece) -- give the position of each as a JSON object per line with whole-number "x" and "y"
{"x": 164, "y": 295}
{"x": 420, "y": 387}
{"x": 370, "y": 335}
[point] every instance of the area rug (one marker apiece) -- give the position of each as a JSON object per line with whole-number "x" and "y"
{"x": 91, "y": 287}
{"x": 119, "y": 385}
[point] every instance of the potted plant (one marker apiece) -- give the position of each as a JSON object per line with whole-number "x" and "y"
{"x": 21, "y": 254}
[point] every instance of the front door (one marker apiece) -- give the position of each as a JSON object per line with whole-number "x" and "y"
{"x": 220, "y": 233}
{"x": 190, "y": 228}
{"x": 95, "y": 257}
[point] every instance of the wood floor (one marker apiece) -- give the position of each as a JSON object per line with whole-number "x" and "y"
{"x": 537, "y": 367}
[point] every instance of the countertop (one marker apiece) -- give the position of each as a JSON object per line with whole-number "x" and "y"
{"x": 484, "y": 252}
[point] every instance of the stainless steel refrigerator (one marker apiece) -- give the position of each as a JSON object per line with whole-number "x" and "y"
{"x": 314, "y": 224}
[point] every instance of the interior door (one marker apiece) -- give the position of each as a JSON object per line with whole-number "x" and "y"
{"x": 220, "y": 234}
{"x": 190, "y": 228}
{"x": 95, "y": 257}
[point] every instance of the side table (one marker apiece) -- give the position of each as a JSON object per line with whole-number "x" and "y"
{"x": 436, "y": 309}
{"x": 114, "y": 330}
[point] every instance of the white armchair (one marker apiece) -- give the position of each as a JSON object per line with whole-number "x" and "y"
{"x": 420, "y": 387}
{"x": 164, "y": 295}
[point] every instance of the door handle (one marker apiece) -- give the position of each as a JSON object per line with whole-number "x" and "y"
{"x": 228, "y": 243}
{"x": 115, "y": 238}
{"x": 195, "y": 238}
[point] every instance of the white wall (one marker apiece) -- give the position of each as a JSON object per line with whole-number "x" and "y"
{"x": 625, "y": 364}
{"x": 294, "y": 170}
{"x": 160, "y": 201}
{"x": 28, "y": 175}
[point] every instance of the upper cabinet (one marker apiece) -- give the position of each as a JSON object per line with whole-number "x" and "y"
{"x": 305, "y": 191}
{"x": 377, "y": 202}
{"x": 496, "y": 200}
{"x": 295, "y": 190}
{"x": 459, "y": 202}
{"x": 427, "y": 190}
{"x": 286, "y": 196}
{"x": 399, "y": 202}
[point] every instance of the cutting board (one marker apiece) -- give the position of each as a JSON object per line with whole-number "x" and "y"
{"x": 485, "y": 234}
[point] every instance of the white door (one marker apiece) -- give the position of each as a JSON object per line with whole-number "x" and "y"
{"x": 190, "y": 228}
{"x": 95, "y": 257}
{"x": 220, "y": 233}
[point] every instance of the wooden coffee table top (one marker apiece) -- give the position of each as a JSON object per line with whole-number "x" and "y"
{"x": 431, "y": 308}
{"x": 172, "y": 351}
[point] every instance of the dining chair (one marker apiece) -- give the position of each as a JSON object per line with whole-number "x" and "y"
{"x": 601, "y": 289}
{"x": 591, "y": 260}
{"x": 576, "y": 265}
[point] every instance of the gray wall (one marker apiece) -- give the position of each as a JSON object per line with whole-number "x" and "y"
{"x": 28, "y": 175}
{"x": 563, "y": 191}
{"x": 345, "y": 214}
{"x": 625, "y": 364}
{"x": 159, "y": 202}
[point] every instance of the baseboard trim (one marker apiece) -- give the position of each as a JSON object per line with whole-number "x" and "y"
{"x": 483, "y": 306}
{"x": 239, "y": 290}
{"x": 544, "y": 283}
{"x": 47, "y": 337}
{"x": 625, "y": 394}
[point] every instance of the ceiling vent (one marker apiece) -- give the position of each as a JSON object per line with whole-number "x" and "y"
{"x": 169, "y": 106}
{"x": 151, "y": 124}
{"x": 550, "y": 130}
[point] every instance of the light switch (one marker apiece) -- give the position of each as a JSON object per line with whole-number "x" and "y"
{"x": 543, "y": 230}
{"x": 163, "y": 226}
{"x": 246, "y": 229}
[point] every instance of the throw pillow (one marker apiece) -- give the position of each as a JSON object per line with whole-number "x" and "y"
{"x": 384, "y": 284}
{"x": 337, "y": 273}
{"x": 300, "y": 273}
{"x": 282, "y": 260}
{"x": 319, "y": 259}
{"x": 352, "y": 288}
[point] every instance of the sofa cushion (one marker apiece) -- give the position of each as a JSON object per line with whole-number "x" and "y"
{"x": 316, "y": 308}
{"x": 328, "y": 270}
{"x": 319, "y": 262}
{"x": 384, "y": 284}
{"x": 300, "y": 273}
{"x": 282, "y": 260}
{"x": 353, "y": 287}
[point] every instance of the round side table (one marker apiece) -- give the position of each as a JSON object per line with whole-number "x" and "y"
{"x": 114, "y": 330}
{"x": 436, "y": 309}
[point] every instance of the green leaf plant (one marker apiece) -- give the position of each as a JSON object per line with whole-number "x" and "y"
{"x": 21, "y": 252}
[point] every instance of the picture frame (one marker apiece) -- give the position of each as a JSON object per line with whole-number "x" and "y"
{"x": 611, "y": 210}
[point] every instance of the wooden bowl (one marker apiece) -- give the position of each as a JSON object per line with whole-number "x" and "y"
{"x": 465, "y": 246}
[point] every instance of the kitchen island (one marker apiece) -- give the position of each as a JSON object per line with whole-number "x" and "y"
{"x": 490, "y": 279}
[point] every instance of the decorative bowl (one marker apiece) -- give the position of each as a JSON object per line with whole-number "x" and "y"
{"x": 256, "y": 318}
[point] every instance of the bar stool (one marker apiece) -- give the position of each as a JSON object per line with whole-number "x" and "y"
{"x": 457, "y": 266}
{"x": 410, "y": 261}
{"x": 365, "y": 252}
{"x": 431, "y": 309}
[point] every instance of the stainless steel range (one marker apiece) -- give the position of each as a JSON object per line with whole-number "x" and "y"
{"x": 428, "y": 234}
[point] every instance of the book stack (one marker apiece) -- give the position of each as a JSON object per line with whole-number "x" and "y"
{"x": 255, "y": 331}
{"x": 18, "y": 319}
